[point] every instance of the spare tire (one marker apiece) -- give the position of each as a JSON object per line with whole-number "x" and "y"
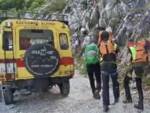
{"x": 41, "y": 60}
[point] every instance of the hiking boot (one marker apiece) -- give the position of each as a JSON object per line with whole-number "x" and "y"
{"x": 96, "y": 94}
{"x": 139, "y": 106}
{"x": 105, "y": 108}
{"x": 127, "y": 101}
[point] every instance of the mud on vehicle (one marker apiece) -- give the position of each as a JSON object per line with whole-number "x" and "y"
{"x": 34, "y": 55}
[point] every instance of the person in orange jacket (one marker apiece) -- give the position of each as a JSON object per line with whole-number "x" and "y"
{"x": 139, "y": 59}
{"x": 108, "y": 51}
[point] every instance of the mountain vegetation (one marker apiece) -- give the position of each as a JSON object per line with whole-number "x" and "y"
{"x": 32, "y": 5}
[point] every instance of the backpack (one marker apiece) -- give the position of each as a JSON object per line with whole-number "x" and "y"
{"x": 91, "y": 54}
{"x": 138, "y": 51}
{"x": 107, "y": 47}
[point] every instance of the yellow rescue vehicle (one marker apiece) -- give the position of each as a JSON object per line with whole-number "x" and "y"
{"x": 34, "y": 55}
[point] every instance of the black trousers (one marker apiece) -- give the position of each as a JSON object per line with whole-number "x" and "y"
{"x": 94, "y": 75}
{"x": 105, "y": 79}
{"x": 139, "y": 70}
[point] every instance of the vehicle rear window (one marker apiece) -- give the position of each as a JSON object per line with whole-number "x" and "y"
{"x": 29, "y": 37}
{"x": 63, "y": 39}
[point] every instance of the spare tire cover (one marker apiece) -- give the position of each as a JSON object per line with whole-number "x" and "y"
{"x": 41, "y": 60}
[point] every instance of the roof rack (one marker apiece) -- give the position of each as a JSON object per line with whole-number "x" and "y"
{"x": 4, "y": 14}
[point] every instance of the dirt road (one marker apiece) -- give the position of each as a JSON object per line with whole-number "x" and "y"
{"x": 80, "y": 100}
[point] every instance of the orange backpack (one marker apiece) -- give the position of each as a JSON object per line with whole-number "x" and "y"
{"x": 141, "y": 54}
{"x": 107, "y": 47}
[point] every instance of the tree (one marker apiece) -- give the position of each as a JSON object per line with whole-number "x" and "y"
{"x": 20, "y": 4}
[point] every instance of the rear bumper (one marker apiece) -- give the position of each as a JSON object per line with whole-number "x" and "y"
{"x": 52, "y": 80}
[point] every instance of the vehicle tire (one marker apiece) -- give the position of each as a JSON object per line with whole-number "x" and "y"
{"x": 64, "y": 88}
{"x": 41, "y": 60}
{"x": 8, "y": 96}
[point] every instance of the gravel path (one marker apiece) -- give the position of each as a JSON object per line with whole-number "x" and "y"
{"x": 80, "y": 100}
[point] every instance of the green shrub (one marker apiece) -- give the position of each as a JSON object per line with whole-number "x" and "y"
{"x": 56, "y": 5}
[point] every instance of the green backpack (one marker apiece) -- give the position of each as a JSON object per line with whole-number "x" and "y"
{"x": 91, "y": 54}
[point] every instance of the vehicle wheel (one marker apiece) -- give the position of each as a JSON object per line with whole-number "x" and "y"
{"x": 8, "y": 96}
{"x": 65, "y": 88}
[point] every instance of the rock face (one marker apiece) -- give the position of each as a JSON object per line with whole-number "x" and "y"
{"x": 126, "y": 17}
{"x": 129, "y": 19}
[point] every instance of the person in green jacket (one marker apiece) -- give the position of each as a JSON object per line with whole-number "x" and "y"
{"x": 91, "y": 58}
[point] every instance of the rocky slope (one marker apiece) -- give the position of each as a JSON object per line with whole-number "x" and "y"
{"x": 126, "y": 17}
